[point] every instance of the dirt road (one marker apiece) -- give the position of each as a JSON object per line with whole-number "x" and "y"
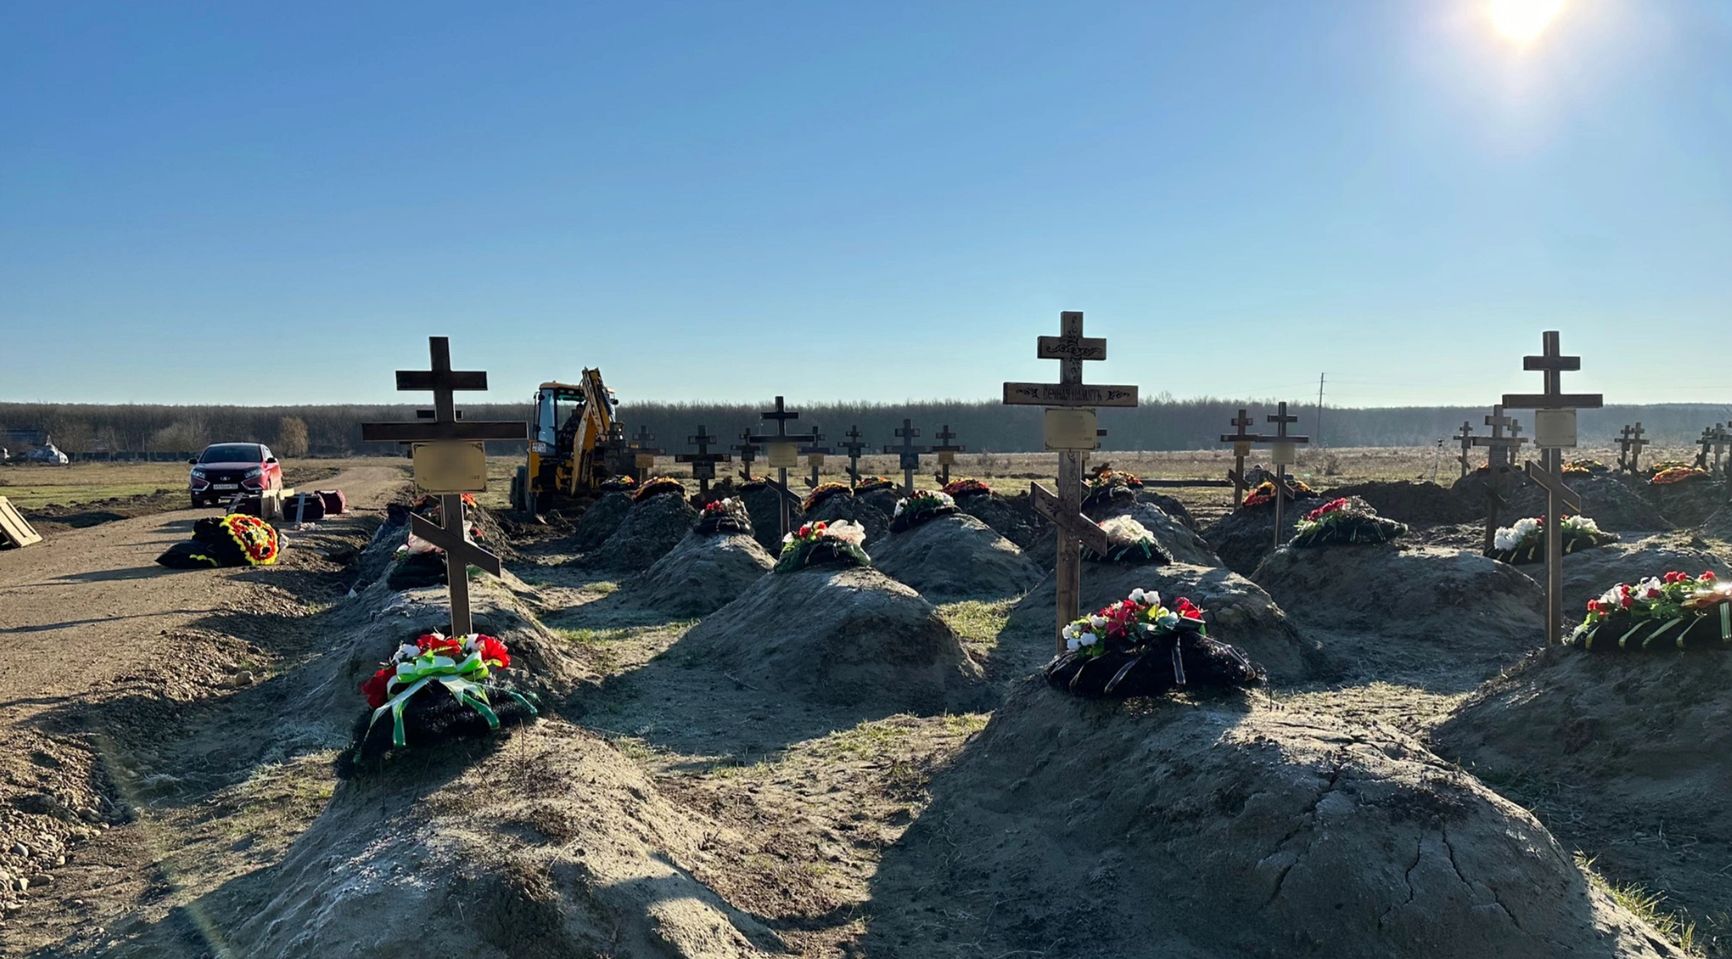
{"x": 88, "y": 617}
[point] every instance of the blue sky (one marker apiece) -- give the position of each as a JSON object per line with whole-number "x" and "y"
{"x": 861, "y": 200}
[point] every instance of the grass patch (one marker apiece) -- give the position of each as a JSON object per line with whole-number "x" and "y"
{"x": 1648, "y": 906}
{"x": 977, "y": 623}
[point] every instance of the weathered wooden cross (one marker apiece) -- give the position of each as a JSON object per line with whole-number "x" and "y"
{"x": 784, "y": 452}
{"x": 1623, "y": 441}
{"x": 644, "y": 451}
{"x": 1073, "y": 527}
{"x": 1283, "y": 452}
{"x": 450, "y": 460}
{"x": 854, "y": 447}
{"x": 1499, "y": 446}
{"x": 1706, "y": 442}
{"x": 703, "y": 461}
{"x": 1722, "y": 439}
{"x": 815, "y": 455}
{"x": 946, "y": 453}
{"x": 1636, "y": 444}
{"x": 1465, "y": 438}
{"x": 1554, "y": 432}
{"x": 1071, "y": 428}
{"x": 748, "y": 451}
{"x": 616, "y": 453}
{"x": 909, "y": 455}
{"x": 1241, "y": 441}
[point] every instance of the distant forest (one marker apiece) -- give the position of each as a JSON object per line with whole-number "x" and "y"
{"x": 1162, "y": 424}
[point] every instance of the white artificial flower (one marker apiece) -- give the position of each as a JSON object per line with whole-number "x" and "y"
{"x": 406, "y": 651}
{"x": 901, "y": 504}
{"x": 1097, "y": 622}
{"x": 847, "y": 531}
{"x": 1137, "y": 595}
{"x": 1069, "y": 631}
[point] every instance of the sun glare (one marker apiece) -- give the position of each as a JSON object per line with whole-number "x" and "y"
{"x": 1522, "y": 21}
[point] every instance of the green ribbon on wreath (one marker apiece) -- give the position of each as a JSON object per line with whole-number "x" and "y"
{"x": 458, "y": 678}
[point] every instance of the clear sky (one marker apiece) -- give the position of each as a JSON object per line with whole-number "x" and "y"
{"x": 252, "y": 202}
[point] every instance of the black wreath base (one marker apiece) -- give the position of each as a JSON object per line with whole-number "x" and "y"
{"x": 912, "y": 517}
{"x": 1142, "y": 552}
{"x": 1699, "y": 632}
{"x": 725, "y": 523}
{"x": 1535, "y": 552}
{"x": 1190, "y": 660}
{"x": 211, "y": 546}
{"x": 433, "y": 717}
{"x": 1351, "y": 530}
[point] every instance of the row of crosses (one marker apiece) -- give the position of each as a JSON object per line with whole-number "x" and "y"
{"x": 1716, "y": 438}
{"x": 1630, "y": 443}
{"x": 1283, "y": 446}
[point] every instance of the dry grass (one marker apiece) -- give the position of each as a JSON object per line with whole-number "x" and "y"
{"x": 34, "y": 487}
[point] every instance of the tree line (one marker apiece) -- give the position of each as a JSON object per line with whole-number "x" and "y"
{"x": 1159, "y": 424}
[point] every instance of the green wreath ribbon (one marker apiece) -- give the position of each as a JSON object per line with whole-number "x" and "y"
{"x": 460, "y": 679}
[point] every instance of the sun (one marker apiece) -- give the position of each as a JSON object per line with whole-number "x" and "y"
{"x": 1522, "y": 21}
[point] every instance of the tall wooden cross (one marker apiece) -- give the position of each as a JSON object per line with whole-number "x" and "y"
{"x": 1073, "y": 526}
{"x": 644, "y": 451}
{"x": 1072, "y": 429}
{"x": 748, "y": 451}
{"x": 815, "y": 455}
{"x": 450, "y": 460}
{"x": 703, "y": 461}
{"x": 1554, "y": 431}
{"x": 1499, "y": 446}
{"x": 784, "y": 452}
{"x": 1623, "y": 441}
{"x": 1636, "y": 444}
{"x": 1706, "y": 443}
{"x": 1284, "y": 453}
{"x": 946, "y": 451}
{"x": 1241, "y": 441}
{"x": 1722, "y": 439}
{"x": 854, "y": 447}
{"x": 909, "y": 455}
{"x": 616, "y": 452}
{"x": 1465, "y": 438}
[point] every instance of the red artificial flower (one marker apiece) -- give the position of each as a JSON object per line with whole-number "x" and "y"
{"x": 440, "y": 645}
{"x": 820, "y": 527}
{"x": 1188, "y": 609}
{"x": 1326, "y": 509}
{"x": 1708, "y": 576}
{"x": 493, "y": 652}
{"x": 805, "y": 531}
{"x": 375, "y": 686}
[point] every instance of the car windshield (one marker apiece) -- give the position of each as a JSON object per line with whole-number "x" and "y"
{"x": 231, "y": 453}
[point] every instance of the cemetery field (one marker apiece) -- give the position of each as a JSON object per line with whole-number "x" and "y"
{"x": 85, "y": 494}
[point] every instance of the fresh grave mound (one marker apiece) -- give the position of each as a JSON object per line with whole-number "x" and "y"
{"x": 1347, "y": 521}
{"x": 439, "y": 689}
{"x": 1235, "y": 610}
{"x": 1176, "y": 540}
{"x": 1623, "y": 755}
{"x": 1420, "y": 504}
{"x": 1719, "y": 524}
{"x": 764, "y": 505}
{"x": 551, "y": 844}
{"x": 600, "y": 520}
{"x": 1690, "y": 501}
{"x": 920, "y": 506}
{"x": 1524, "y": 542}
{"x": 956, "y": 557}
{"x": 879, "y": 493}
{"x": 1170, "y": 505}
{"x": 651, "y": 527}
{"x": 1588, "y": 573}
{"x": 839, "y": 634}
{"x": 1144, "y": 645}
{"x": 1244, "y": 536}
{"x": 1009, "y": 517}
{"x": 836, "y": 507}
{"x": 1612, "y": 501}
{"x": 1219, "y": 829}
{"x": 233, "y": 540}
{"x": 1422, "y": 614}
{"x": 701, "y": 574}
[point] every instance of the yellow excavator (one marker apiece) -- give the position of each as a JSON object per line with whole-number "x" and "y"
{"x": 568, "y": 446}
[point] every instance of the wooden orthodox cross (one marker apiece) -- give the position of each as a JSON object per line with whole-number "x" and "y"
{"x": 1465, "y": 438}
{"x": 748, "y": 451}
{"x": 1499, "y": 446}
{"x": 1623, "y": 441}
{"x": 946, "y": 453}
{"x": 1722, "y": 438}
{"x": 1071, "y": 428}
{"x": 644, "y": 451}
{"x": 703, "y": 461}
{"x": 616, "y": 452}
{"x": 784, "y": 452}
{"x": 1554, "y": 432}
{"x": 815, "y": 455}
{"x": 909, "y": 455}
{"x": 854, "y": 448}
{"x": 1636, "y": 444}
{"x": 1706, "y": 443}
{"x": 1283, "y": 451}
{"x": 1241, "y": 441}
{"x": 450, "y": 460}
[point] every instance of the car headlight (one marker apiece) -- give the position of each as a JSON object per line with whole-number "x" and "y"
{"x": 198, "y": 474}
{"x": 255, "y": 473}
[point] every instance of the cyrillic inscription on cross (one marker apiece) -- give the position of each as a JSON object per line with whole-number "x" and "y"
{"x": 1554, "y": 431}
{"x": 1241, "y": 441}
{"x": 855, "y": 447}
{"x": 784, "y": 453}
{"x": 447, "y": 431}
{"x": 1498, "y": 459}
{"x": 703, "y": 461}
{"x": 1465, "y": 438}
{"x": 1072, "y": 430}
{"x": 908, "y": 455}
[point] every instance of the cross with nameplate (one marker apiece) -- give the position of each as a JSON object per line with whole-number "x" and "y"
{"x": 815, "y": 455}
{"x": 1284, "y": 453}
{"x": 748, "y": 451}
{"x": 1499, "y": 446}
{"x": 1072, "y": 429}
{"x": 1465, "y": 438}
{"x": 946, "y": 451}
{"x": 1241, "y": 441}
{"x": 909, "y": 455}
{"x": 784, "y": 452}
{"x": 1554, "y": 431}
{"x": 854, "y": 447}
{"x": 644, "y": 451}
{"x": 450, "y": 460}
{"x": 703, "y": 461}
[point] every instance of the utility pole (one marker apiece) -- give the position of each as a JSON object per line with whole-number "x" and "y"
{"x": 1319, "y": 424}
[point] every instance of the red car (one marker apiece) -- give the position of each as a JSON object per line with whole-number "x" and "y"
{"x": 224, "y": 469}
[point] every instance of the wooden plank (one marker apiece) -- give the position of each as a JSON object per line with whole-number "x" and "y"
{"x": 441, "y": 379}
{"x": 1065, "y": 394}
{"x": 1071, "y": 348}
{"x": 1558, "y": 401}
{"x": 14, "y": 528}
{"x": 1549, "y": 481}
{"x": 1080, "y": 527}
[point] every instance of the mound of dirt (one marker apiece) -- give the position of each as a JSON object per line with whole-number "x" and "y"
{"x": 552, "y": 845}
{"x": 1435, "y": 617}
{"x": 1218, "y": 829}
{"x": 883, "y": 499}
{"x": 955, "y": 557}
{"x": 1417, "y": 504}
{"x": 1610, "y": 500}
{"x": 1236, "y": 610}
{"x": 651, "y": 528}
{"x": 855, "y": 509}
{"x": 1009, "y": 517}
{"x": 849, "y": 636}
{"x": 1688, "y": 503}
{"x": 700, "y": 575}
{"x": 1169, "y": 505}
{"x": 764, "y": 505}
{"x": 1244, "y": 536}
{"x": 1591, "y": 572}
{"x": 1175, "y": 538}
{"x": 600, "y": 521}
{"x": 1623, "y": 756}
{"x": 1719, "y": 524}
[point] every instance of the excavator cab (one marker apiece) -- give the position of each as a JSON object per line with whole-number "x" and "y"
{"x": 568, "y": 425}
